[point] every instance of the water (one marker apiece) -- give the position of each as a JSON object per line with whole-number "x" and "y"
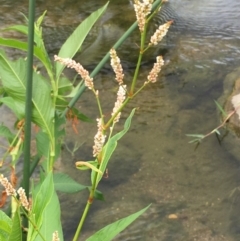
{"x": 154, "y": 162}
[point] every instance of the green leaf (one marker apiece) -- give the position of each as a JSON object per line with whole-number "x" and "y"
{"x": 13, "y": 76}
{"x": 109, "y": 148}
{"x": 16, "y": 232}
{"x": 40, "y": 19}
{"x": 85, "y": 167}
{"x": 221, "y": 109}
{"x": 45, "y": 211}
{"x": 97, "y": 194}
{"x": 200, "y": 136}
{"x": 62, "y": 105}
{"x": 217, "y": 132}
{"x": 38, "y": 32}
{"x": 43, "y": 143}
{"x": 64, "y": 183}
{"x": 110, "y": 231}
{"x": 64, "y": 85}
{"x": 39, "y": 50}
{"x": 3, "y": 235}
{"x": 197, "y": 140}
{"x": 81, "y": 116}
{"x": 12, "y": 43}
{"x": 60, "y": 133}
{"x": 82, "y": 165}
{"x": 74, "y": 42}
{"x": 41, "y": 198}
{"x": 60, "y": 123}
{"x": 2, "y": 91}
{"x": 74, "y": 90}
{"x": 18, "y": 107}
{"x": 5, "y": 132}
{"x": 19, "y": 28}
{"x": 51, "y": 220}
{"x": 43, "y": 111}
{"x": 5, "y": 226}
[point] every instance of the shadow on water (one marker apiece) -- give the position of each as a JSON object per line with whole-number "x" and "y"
{"x": 154, "y": 162}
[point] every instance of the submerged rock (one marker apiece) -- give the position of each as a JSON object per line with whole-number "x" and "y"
{"x": 231, "y": 87}
{"x": 230, "y": 138}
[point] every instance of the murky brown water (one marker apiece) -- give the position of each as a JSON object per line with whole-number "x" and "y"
{"x": 154, "y": 162}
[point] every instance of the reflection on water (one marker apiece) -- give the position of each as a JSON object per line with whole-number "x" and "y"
{"x": 154, "y": 162}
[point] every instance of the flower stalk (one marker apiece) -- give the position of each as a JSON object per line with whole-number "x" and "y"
{"x": 21, "y": 202}
{"x": 143, "y": 10}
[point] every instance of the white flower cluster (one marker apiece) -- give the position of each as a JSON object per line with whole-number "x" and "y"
{"x": 121, "y": 95}
{"x": 23, "y": 198}
{"x": 142, "y": 10}
{"x": 160, "y": 33}
{"x": 55, "y": 236}
{"x": 12, "y": 192}
{"x": 99, "y": 139}
{"x": 79, "y": 68}
{"x": 8, "y": 186}
{"x": 152, "y": 77}
{"x": 117, "y": 67}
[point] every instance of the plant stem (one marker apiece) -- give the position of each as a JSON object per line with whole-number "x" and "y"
{"x": 141, "y": 52}
{"x": 87, "y": 207}
{"x": 136, "y": 73}
{"x": 79, "y": 228}
{"x": 99, "y": 107}
{"x": 119, "y": 110}
{"x": 28, "y": 104}
{"x": 130, "y": 96}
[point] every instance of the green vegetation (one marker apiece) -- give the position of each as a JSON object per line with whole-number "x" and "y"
{"x": 44, "y": 100}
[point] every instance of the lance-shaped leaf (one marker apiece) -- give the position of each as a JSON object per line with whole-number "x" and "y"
{"x": 81, "y": 165}
{"x": 18, "y": 107}
{"x": 5, "y": 132}
{"x": 74, "y": 42}
{"x": 64, "y": 183}
{"x": 16, "y": 232}
{"x": 13, "y": 76}
{"x": 13, "y": 43}
{"x": 45, "y": 211}
{"x": 109, "y": 148}
{"x": 39, "y": 49}
{"x": 221, "y": 109}
{"x": 110, "y": 231}
{"x": 5, "y": 226}
{"x": 24, "y": 30}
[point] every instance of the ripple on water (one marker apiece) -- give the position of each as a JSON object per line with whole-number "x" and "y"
{"x": 215, "y": 15}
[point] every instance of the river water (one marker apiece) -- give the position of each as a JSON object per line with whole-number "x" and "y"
{"x": 154, "y": 162}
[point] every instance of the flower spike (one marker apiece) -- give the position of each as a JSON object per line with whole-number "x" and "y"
{"x": 142, "y": 10}
{"x": 99, "y": 139}
{"x": 121, "y": 95}
{"x": 117, "y": 67}
{"x": 160, "y": 33}
{"x": 23, "y": 198}
{"x": 70, "y": 63}
{"x": 152, "y": 77}
{"x": 8, "y": 186}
